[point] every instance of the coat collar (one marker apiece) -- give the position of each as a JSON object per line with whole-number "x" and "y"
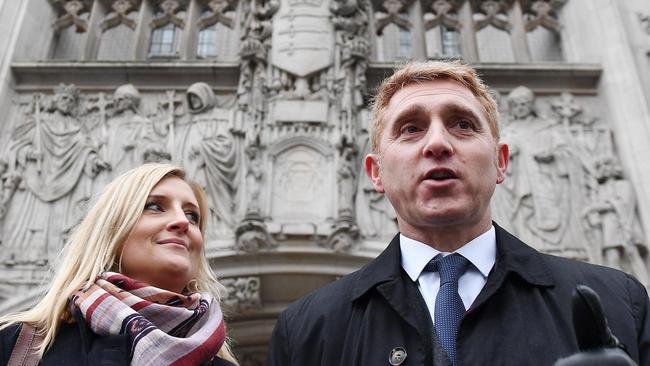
{"x": 513, "y": 255}
{"x": 385, "y": 268}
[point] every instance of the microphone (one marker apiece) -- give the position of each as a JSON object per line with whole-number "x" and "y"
{"x": 598, "y": 346}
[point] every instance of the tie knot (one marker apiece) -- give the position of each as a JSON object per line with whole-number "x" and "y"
{"x": 449, "y": 267}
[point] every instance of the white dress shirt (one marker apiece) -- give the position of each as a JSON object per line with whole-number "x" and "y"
{"x": 481, "y": 253}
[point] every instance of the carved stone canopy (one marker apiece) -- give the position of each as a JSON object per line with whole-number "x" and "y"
{"x": 217, "y": 14}
{"x": 495, "y": 14}
{"x": 120, "y": 15}
{"x": 169, "y": 9}
{"x": 72, "y": 15}
{"x": 443, "y": 13}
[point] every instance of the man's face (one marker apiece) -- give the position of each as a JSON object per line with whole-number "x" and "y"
{"x": 438, "y": 163}
{"x": 65, "y": 103}
{"x": 122, "y": 103}
{"x": 521, "y": 107}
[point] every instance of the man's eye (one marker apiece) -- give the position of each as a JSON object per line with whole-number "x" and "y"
{"x": 192, "y": 216}
{"x": 152, "y": 206}
{"x": 409, "y": 129}
{"x": 464, "y": 124}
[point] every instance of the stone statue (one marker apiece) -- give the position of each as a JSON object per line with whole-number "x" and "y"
{"x": 346, "y": 182}
{"x": 130, "y": 136}
{"x": 56, "y": 159}
{"x": 612, "y": 213}
{"x": 375, "y": 216}
{"x": 544, "y": 190}
{"x": 210, "y": 152}
{"x": 254, "y": 175}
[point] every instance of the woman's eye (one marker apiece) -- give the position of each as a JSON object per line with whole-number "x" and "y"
{"x": 192, "y": 216}
{"x": 152, "y": 206}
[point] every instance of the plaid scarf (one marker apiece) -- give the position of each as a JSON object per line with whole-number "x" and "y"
{"x": 165, "y": 328}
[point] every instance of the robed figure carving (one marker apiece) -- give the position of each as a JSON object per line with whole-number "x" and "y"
{"x": 211, "y": 154}
{"x": 56, "y": 159}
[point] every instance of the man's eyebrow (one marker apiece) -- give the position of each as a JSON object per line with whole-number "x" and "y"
{"x": 455, "y": 108}
{"x": 410, "y": 112}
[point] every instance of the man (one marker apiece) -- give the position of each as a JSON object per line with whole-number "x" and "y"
{"x": 437, "y": 157}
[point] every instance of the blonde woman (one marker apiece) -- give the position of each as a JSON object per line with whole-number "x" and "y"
{"x": 133, "y": 286}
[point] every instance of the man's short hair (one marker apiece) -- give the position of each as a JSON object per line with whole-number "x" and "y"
{"x": 422, "y": 71}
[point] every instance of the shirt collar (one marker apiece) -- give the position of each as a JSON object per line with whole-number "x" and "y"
{"x": 481, "y": 252}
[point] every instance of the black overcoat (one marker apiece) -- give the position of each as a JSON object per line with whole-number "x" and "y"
{"x": 521, "y": 317}
{"x": 76, "y": 345}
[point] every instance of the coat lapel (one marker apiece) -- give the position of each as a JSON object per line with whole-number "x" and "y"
{"x": 513, "y": 257}
{"x": 385, "y": 274}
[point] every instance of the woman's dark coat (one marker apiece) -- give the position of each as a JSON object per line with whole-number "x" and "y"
{"x": 76, "y": 345}
{"x": 521, "y": 317}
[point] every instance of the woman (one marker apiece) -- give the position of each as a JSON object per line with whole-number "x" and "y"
{"x": 134, "y": 285}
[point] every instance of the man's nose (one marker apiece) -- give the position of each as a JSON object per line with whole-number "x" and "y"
{"x": 437, "y": 143}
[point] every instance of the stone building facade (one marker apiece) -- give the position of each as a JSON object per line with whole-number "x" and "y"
{"x": 265, "y": 102}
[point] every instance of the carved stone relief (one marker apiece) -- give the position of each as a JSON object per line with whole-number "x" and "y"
{"x": 50, "y": 162}
{"x": 119, "y": 15}
{"x": 493, "y": 13}
{"x": 72, "y": 9}
{"x": 644, "y": 19}
{"x": 243, "y": 295}
{"x": 565, "y": 192}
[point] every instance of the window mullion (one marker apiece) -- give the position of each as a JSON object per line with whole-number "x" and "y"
{"x": 468, "y": 46}
{"x": 143, "y": 30}
{"x": 189, "y": 40}
{"x": 518, "y": 34}
{"x": 91, "y": 47}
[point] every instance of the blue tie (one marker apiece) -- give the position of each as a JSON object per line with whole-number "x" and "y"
{"x": 449, "y": 306}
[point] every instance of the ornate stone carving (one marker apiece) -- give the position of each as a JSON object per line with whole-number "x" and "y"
{"x": 217, "y": 14}
{"x": 394, "y": 14}
{"x": 205, "y": 143}
{"x": 542, "y": 13}
{"x": 243, "y": 294}
{"x": 52, "y": 161}
{"x": 73, "y": 10}
{"x": 612, "y": 213}
{"x": 119, "y": 15}
{"x": 169, "y": 9}
{"x": 129, "y": 138}
{"x": 560, "y": 180}
{"x": 255, "y": 41}
{"x": 545, "y": 179}
{"x": 374, "y": 214}
{"x": 494, "y": 11}
{"x": 645, "y": 22}
{"x": 350, "y": 19}
{"x": 443, "y": 12}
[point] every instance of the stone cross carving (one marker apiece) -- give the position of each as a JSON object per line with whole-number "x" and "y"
{"x": 543, "y": 17}
{"x": 217, "y": 15}
{"x": 73, "y": 10}
{"x": 492, "y": 9}
{"x": 394, "y": 9}
{"x": 442, "y": 11}
{"x": 119, "y": 15}
{"x": 169, "y": 9}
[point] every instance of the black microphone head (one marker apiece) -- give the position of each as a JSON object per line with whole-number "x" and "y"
{"x": 589, "y": 320}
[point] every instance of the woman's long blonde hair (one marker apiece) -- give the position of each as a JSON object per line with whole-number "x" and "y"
{"x": 95, "y": 247}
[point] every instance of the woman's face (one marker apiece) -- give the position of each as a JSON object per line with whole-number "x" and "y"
{"x": 165, "y": 246}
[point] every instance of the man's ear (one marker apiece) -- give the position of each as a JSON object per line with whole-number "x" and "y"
{"x": 373, "y": 171}
{"x": 502, "y": 160}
